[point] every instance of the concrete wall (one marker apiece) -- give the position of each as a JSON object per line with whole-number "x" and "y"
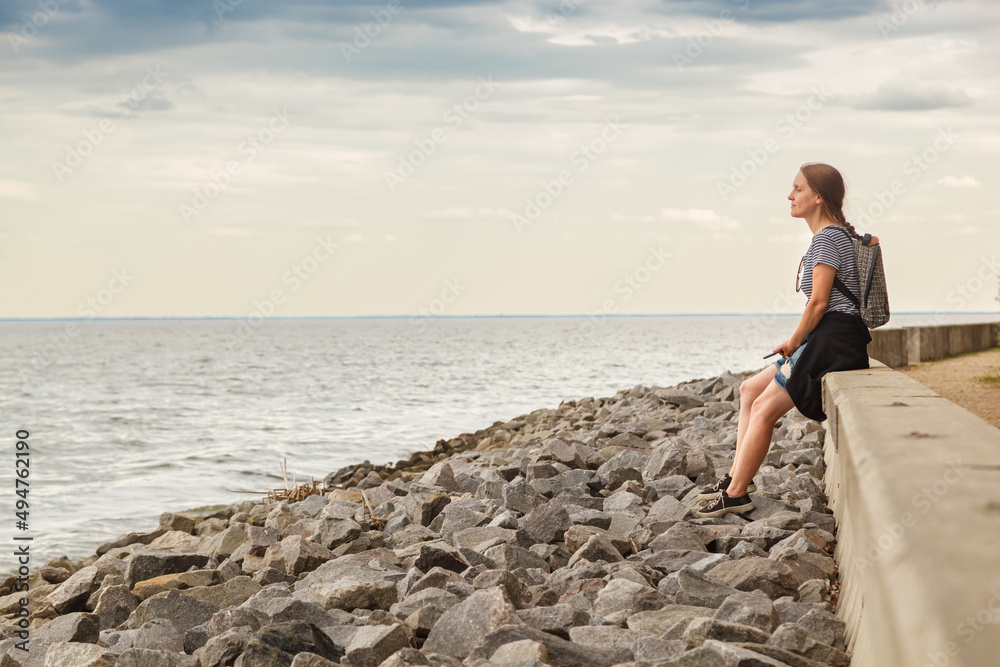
{"x": 909, "y": 345}
{"x": 914, "y": 481}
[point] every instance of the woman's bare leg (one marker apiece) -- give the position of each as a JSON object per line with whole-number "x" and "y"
{"x": 750, "y": 390}
{"x": 767, "y": 409}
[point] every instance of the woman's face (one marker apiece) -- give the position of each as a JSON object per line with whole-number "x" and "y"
{"x": 804, "y": 200}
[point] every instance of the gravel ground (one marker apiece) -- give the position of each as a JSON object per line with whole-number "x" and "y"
{"x": 957, "y": 379}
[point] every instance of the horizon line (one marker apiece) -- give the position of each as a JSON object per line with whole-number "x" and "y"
{"x": 448, "y": 317}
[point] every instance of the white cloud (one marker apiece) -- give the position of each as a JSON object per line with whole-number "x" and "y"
{"x": 959, "y": 182}
{"x": 468, "y": 213}
{"x": 11, "y": 189}
{"x": 707, "y": 218}
{"x": 231, "y": 231}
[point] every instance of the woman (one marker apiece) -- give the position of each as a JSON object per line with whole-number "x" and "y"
{"x": 839, "y": 344}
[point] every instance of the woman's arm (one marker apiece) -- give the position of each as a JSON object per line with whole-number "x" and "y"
{"x": 822, "y": 277}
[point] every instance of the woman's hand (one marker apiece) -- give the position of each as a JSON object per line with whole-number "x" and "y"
{"x": 787, "y": 348}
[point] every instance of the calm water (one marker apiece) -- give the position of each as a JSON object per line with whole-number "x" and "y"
{"x": 132, "y": 418}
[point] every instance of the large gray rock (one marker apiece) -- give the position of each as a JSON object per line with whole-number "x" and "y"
{"x": 74, "y": 654}
{"x": 114, "y": 605}
{"x": 753, "y": 573}
{"x": 798, "y": 639}
{"x": 146, "y": 563}
{"x": 659, "y": 621}
{"x": 295, "y": 554}
{"x": 184, "y": 611}
{"x": 140, "y": 657}
{"x": 75, "y": 627}
{"x": 373, "y": 644}
{"x": 752, "y": 608}
{"x": 350, "y": 594}
{"x": 700, "y": 590}
{"x": 544, "y": 524}
{"x": 702, "y": 629}
{"x": 597, "y": 548}
{"x": 463, "y": 627}
{"x": 623, "y": 598}
{"x": 560, "y": 653}
{"x": 276, "y": 645}
{"x": 557, "y": 620}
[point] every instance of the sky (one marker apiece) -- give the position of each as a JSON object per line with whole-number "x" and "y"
{"x": 246, "y": 158}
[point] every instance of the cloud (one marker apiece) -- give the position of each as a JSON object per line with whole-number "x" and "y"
{"x": 468, "y": 213}
{"x": 959, "y": 182}
{"x": 707, "y": 218}
{"x": 231, "y": 231}
{"x": 13, "y": 189}
{"x": 909, "y": 94}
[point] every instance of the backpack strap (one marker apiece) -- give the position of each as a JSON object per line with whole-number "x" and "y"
{"x": 838, "y": 283}
{"x": 846, "y": 291}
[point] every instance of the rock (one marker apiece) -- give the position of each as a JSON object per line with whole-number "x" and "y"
{"x": 423, "y": 506}
{"x": 146, "y": 563}
{"x": 623, "y": 598}
{"x": 560, "y": 653}
{"x": 544, "y": 524}
{"x": 463, "y": 627}
{"x": 74, "y": 654}
{"x": 349, "y": 594}
{"x": 311, "y": 660}
{"x": 114, "y": 605}
{"x": 511, "y": 557}
{"x": 668, "y": 509}
{"x": 76, "y": 627}
{"x": 74, "y": 591}
{"x": 439, "y": 554}
{"x": 521, "y": 497}
{"x": 139, "y": 657}
{"x": 607, "y": 636}
{"x": 797, "y": 639}
{"x": 681, "y": 535}
{"x": 130, "y": 539}
{"x": 158, "y": 634}
{"x": 373, "y": 644}
{"x": 224, "y": 648}
{"x": 597, "y": 549}
{"x": 179, "y": 580}
{"x": 658, "y": 622}
{"x": 176, "y": 540}
{"x": 749, "y": 608}
{"x": 520, "y": 651}
{"x": 754, "y": 573}
{"x": 276, "y": 645}
{"x": 183, "y": 611}
{"x": 557, "y": 620}
{"x": 295, "y": 555}
{"x": 700, "y": 590}
{"x": 334, "y": 532}
{"x": 703, "y": 629}
{"x": 514, "y": 588}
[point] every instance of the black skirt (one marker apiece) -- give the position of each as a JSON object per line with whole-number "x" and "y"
{"x": 838, "y": 343}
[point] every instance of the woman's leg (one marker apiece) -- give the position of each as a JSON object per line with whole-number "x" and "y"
{"x": 767, "y": 408}
{"x": 750, "y": 390}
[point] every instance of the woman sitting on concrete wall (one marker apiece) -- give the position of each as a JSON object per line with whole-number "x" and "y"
{"x": 831, "y": 327}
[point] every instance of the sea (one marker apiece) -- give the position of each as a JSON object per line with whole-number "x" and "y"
{"x": 126, "y": 419}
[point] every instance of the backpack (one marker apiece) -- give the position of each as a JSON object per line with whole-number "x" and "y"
{"x": 874, "y": 304}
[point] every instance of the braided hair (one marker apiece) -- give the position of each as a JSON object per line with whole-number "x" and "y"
{"x": 827, "y": 182}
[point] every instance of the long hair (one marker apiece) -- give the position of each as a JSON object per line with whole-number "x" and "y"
{"x": 827, "y": 182}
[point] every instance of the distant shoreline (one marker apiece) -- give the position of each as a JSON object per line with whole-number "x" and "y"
{"x": 450, "y": 317}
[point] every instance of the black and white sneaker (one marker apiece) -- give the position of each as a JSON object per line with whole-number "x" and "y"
{"x": 712, "y": 492}
{"x": 724, "y": 504}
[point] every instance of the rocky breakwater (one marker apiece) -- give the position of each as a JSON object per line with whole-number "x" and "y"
{"x": 563, "y": 537}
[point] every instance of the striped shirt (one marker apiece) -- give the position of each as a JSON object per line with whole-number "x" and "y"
{"x": 833, "y": 247}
